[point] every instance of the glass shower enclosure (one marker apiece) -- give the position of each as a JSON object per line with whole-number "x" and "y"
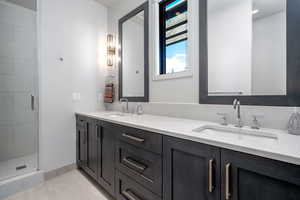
{"x": 18, "y": 88}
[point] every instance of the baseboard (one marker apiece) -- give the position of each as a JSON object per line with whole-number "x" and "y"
{"x": 60, "y": 171}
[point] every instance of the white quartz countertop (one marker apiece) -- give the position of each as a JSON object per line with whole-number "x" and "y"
{"x": 286, "y": 148}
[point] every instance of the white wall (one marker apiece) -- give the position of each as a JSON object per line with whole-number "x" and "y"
{"x": 230, "y": 46}
{"x": 30, "y": 4}
{"x": 269, "y": 55}
{"x": 75, "y": 31}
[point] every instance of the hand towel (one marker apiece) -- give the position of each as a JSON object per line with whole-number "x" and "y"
{"x": 109, "y": 93}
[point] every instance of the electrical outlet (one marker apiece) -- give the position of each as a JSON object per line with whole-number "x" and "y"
{"x": 100, "y": 97}
{"x": 76, "y": 96}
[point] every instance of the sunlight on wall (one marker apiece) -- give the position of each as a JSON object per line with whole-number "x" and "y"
{"x": 101, "y": 52}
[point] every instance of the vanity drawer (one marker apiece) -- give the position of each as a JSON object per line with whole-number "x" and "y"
{"x": 128, "y": 189}
{"x": 142, "y": 166}
{"x": 140, "y": 138}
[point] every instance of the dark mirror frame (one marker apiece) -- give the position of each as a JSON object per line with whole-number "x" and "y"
{"x": 144, "y": 7}
{"x": 293, "y": 64}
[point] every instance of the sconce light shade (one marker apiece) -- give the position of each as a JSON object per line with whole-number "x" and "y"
{"x": 111, "y": 49}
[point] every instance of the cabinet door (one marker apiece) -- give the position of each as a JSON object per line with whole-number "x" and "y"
{"x": 191, "y": 170}
{"x": 81, "y": 138}
{"x": 248, "y": 177}
{"x": 106, "y": 157}
{"x": 91, "y": 149}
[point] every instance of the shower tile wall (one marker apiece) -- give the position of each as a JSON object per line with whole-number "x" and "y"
{"x": 18, "y": 81}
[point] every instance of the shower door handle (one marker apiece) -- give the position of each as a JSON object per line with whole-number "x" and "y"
{"x": 32, "y": 102}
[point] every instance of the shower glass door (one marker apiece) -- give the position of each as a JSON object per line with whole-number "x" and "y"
{"x": 18, "y": 88}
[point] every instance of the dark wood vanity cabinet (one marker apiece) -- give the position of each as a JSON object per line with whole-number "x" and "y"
{"x": 138, "y": 164}
{"x": 196, "y": 171}
{"x": 81, "y": 142}
{"x": 248, "y": 177}
{"x": 86, "y": 146}
{"x": 128, "y": 189}
{"x": 143, "y": 166}
{"x": 91, "y": 166}
{"x": 140, "y": 138}
{"x": 133, "y": 164}
{"x": 96, "y": 151}
{"x": 106, "y": 156}
{"x": 191, "y": 170}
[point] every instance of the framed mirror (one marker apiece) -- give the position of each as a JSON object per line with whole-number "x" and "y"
{"x": 249, "y": 49}
{"x": 134, "y": 54}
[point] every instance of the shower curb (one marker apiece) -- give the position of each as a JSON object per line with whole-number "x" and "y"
{"x": 20, "y": 183}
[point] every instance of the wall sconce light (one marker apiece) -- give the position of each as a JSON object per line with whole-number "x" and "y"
{"x": 111, "y": 50}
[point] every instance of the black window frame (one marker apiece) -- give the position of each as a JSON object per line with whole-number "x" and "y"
{"x": 162, "y": 33}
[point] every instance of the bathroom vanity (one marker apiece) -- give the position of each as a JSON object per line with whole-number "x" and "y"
{"x": 153, "y": 157}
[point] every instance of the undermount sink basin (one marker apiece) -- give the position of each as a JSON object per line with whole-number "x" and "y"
{"x": 215, "y": 129}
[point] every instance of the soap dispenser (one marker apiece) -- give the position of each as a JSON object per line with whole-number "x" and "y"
{"x": 294, "y": 123}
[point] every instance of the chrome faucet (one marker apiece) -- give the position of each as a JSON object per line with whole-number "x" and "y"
{"x": 125, "y": 109}
{"x": 237, "y": 107}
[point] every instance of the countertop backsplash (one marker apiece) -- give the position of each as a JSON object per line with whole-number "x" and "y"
{"x": 272, "y": 117}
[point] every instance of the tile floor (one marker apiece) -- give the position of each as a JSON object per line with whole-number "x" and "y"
{"x": 70, "y": 186}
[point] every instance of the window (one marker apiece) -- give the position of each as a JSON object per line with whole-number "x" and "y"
{"x": 173, "y": 36}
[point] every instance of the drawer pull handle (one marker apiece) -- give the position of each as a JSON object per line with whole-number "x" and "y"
{"x": 210, "y": 176}
{"x": 141, "y": 140}
{"x": 130, "y": 195}
{"x": 98, "y": 131}
{"x": 135, "y": 164}
{"x": 84, "y": 136}
{"x": 227, "y": 187}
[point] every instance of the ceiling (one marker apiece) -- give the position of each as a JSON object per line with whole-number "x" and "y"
{"x": 30, "y": 4}
{"x": 108, "y": 3}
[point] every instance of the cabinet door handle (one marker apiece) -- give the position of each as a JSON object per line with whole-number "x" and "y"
{"x": 210, "y": 176}
{"x": 227, "y": 183}
{"x": 84, "y": 137}
{"x": 136, "y": 139}
{"x": 130, "y": 195}
{"x": 135, "y": 164}
{"x": 98, "y": 131}
{"x": 32, "y": 102}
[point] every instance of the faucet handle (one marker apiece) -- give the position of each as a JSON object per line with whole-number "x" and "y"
{"x": 224, "y": 118}
{"x": 139, "y": 109}
{"x": 255, "y": 121}
{"x": 124, "y": 100}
